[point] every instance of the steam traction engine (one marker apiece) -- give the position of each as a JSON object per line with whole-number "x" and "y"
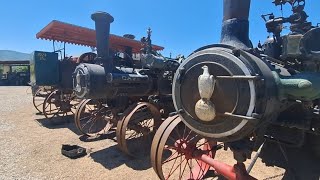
{"x": 133, "y": 95}
{"x": 241, "y": 96}
{"x": 50, "y": 73}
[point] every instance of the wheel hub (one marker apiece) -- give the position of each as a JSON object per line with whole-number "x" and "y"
{"x": 183, "y": 147}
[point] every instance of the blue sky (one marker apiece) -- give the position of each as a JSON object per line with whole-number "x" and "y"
{"x": 179, "y": 26}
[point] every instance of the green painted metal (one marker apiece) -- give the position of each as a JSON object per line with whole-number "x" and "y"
{"x": 44, "y": 69}
{"x": 303, "y": 86}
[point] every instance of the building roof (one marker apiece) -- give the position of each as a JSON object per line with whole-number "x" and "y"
{"x": 73, "y": 34}
{"x": 13, "y": 62}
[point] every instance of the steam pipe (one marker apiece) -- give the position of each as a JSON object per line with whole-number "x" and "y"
{"x": 235, "y": 25}
{"x": 102, "y": 24}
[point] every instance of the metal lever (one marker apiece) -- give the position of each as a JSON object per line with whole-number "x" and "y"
{"x": 239, "y": 116}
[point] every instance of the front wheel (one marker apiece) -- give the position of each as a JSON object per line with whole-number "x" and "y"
{"x": 173, "y": 148}
{"x": 93, "y": 118}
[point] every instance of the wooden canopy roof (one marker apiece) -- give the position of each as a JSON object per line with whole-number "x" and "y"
{"x": 72, "y": 34}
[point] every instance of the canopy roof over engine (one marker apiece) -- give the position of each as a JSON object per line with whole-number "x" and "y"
{"x": 73, "y": 34}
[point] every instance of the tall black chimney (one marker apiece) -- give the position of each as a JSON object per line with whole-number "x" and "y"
{"x": 235, "y": 26}
{"x": 102, "y": 23}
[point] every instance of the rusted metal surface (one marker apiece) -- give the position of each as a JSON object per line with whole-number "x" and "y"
{"x": 179, "y": 153}
{"x": 39, "y": 98}
{"x": 92, "y": 118}
{"x": 136, "y": 129}
{"x": 73, "y": 34}
{"x": 173, "y": 149}
{"x": 59, "y": 104}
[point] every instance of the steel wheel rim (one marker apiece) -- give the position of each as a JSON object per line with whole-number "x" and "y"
{"x": 95, "y": 115}
{"x": 179, "y": 165}
{"x": 134, "y": 137}
{"x": 76, "y": 115}
{"x": 74, "y": 103}
{"x": 39, "y": 96}
{"x": 53, "y": 104}
{"x": 50, "y": 109}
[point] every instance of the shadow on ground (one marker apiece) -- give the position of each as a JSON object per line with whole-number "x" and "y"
{"x": 300, "y": 163}
{"x": 112, "y": 157}
{"x": 59, "y": 122}
{"x": 110, "y": 135}
{"x": 68, "y": 122}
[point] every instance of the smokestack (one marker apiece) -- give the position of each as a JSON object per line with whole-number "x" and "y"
{"x": 235, "y": 26}
{"x": 102, "y": 23}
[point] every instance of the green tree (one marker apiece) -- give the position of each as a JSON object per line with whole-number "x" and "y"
{"x": 19, "y": 68}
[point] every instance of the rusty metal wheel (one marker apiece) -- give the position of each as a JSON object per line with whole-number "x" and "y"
{"x": 93, "y": 117}
{"x": 173, "y": 149}
{"x": 59, "y": 104}
{"x": 136, "y": 129}
{"x": 39, "y": 98}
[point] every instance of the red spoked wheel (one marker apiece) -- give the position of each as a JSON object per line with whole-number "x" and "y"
{"x": 93, "y": 117}
{"x": 173, "y": 148}
{"x": 59, "y": 104}
{"x": 136, "y": 129}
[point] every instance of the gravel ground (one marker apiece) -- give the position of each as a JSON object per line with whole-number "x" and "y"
{"x": 31, "y": 149}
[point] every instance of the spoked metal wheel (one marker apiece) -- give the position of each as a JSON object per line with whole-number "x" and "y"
{"x": 93, "y": 117}
{"x": 136, "y": 129}
{"x": 173, "y": 150}
{"x": 39, "y": 98}
{"x": 59, "y": 104}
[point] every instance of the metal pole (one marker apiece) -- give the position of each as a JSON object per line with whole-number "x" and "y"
{"x": 255, "y": 158}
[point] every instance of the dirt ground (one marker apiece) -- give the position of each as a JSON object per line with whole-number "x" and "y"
{"x": 31, "y": 149}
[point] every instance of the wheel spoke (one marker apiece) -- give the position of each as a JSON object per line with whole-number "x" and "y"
{"x": 172, "y": 168}
{"x": 132, "y": 135}
{"x": 55, "y": 114}
{"x": 184, "y": 131}
{"x": 180, "y": 177}
{"x": 95, "y": 120}
{"x": 89, "y": 107}
{"x": 190, "y": 167}
{"x": 85, "y": 118}
{"x": 39, "y": 105}
{"x": 50, "y": 107}
{"x": 134, "y": 132}
{"x": 206, "y": 141}
{"x": 189, "y": 134}
{"x": 174, "y": 146}
{"x": 201, "y": 170}
{"x": 91, "y": 119}
{"x": 177, "y": 167}
{"x": 89, "y": 112}
{"x": 177, "y": 131}
{"x": 180, "y": 165}
{"x": 168, "y": 160}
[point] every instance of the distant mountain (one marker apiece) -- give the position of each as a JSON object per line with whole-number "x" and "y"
{"x": 8, "y": 55}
